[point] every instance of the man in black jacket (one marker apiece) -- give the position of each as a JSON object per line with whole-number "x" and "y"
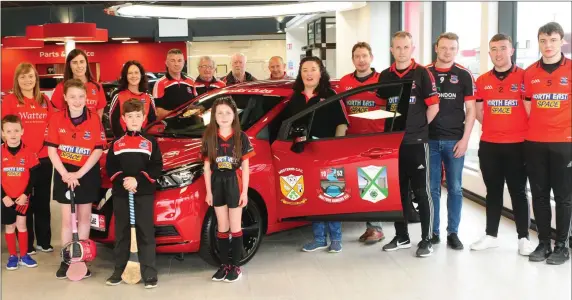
{"x": 238, "y": 73}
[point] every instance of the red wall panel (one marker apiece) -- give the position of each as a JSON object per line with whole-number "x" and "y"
{"x": 110, "y": 57}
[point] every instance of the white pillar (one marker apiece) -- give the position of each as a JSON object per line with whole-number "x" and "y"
{"x": 295, "y": 40}
{"x": 489, "y": 27}
{"x": 69, "y": 46}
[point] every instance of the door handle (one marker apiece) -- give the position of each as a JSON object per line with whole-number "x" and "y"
{"x": 377, "y": 152}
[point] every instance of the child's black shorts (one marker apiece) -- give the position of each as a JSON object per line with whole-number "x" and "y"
{"x": 9, "y": 214}
{"x": 88, "y": 190}
{"x": 225, "y": 186}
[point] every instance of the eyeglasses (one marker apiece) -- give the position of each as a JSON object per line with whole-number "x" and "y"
{"x": 206, "y": 67}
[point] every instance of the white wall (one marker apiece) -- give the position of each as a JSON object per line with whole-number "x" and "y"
{"x": 295, "y": 40}
{"x": 257, "y": 52}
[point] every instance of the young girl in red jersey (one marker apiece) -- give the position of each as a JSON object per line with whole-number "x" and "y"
{"x": 133, "y": 84}
{"x": 77, "y": 67}
{"x": 18, "y": 172}
{"x": 226, "y": 149}
{"x": 34, "y": 109}
{"x": 75, "y": 143}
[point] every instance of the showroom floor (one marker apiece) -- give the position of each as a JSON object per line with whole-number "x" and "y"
{"x": 280, "y": 271}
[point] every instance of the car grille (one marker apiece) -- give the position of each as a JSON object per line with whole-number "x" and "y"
{"x": 166, "y": 230}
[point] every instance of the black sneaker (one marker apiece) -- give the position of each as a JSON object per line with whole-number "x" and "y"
{"x": 542, "y": 251}
{"x": 233, "y": 275}
{"x": 560, "y": 255}
{"x": 115, "y": 278}
{"x": 398, "y": 243}
{"x": 454, "y": 242}
{"x": 87, "y": 274}
{"x": 435, "y": 239}
{"x": 425, "y": 249}
{"x": 61, "y": 272}
{"x": 221, "y": 273}
{"x": 151, "y": 283}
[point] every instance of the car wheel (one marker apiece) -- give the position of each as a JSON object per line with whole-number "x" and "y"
{"x": 252, "y": 233}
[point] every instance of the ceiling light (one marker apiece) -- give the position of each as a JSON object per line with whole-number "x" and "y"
{"x": 229, "y": 12}
{"x": 20, "y": 42}
{"x": 120, "y": 38}
{"x": 130, "y": 42}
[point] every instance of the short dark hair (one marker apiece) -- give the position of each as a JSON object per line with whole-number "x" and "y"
{"x": 76, "y": 83}
{"x": 449, "y": 36}
{"x": 363, "y": 45}
{"x": 124, "y": 83}
{"x": 175, "y": 51}
{"x": 132, "y": 105}
{"x": 501, "y": 37}
{"x": 401, "y": 34}
{"x": 11, "y": 119}
{"x": 550, "y": 28}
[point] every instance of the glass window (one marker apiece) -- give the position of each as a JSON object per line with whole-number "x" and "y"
{"x": 464, "y": 19}
{"x": 527, "y": 28}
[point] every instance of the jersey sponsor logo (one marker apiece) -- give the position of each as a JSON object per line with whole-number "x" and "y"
{"x": 449, "y": 96}
{"x": 87, "y": 135}
{"x": 514, "y": 87}
{"x": 502, "y": 107}
{"x": 75, "y": 149}
{"x": 412, "y": 100}
{"x": 454, "y": 79}
{"x": 392, "y": 102}
{"x": 225, "y": 162}
{"x": 549, "y": 100}
{"x": 359, "y": 106}
{"x": 372, "y": 183}
{"x": 14, "y": 171}
{"x": 488, "y": 87}
{"x": 535, "y": 81}
{"x": 32, "y": 116}
{"x": 62, "y": 131}
{"x": 333, "y": 185}
{"x": 564, "y": 81}
{"x": 292, "y": 186}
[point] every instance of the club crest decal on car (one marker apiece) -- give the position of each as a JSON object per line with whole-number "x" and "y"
{"x": 372, "y": 183}
{"x": 333, "y": 185}
{"x": 292, "y": 186}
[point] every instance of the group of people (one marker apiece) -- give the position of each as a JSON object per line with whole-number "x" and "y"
{"x": 525, "y": 115}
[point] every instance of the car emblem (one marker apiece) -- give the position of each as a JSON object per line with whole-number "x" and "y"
{"x": 292, "y": 186}
{"x": 333, "y": 185}
{"x": 372, "y": 183}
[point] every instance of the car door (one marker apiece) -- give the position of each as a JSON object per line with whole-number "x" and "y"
{"x": 342, "y": 178}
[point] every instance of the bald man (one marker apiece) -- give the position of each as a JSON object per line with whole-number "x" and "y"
{"x": 277, "y": 68}
{"x": 238, "y": 73}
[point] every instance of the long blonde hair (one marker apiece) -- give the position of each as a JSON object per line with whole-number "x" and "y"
{"x": 25, "y": 68}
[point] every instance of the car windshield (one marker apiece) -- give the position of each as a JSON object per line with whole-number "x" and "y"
{"x": 192, "y": 120}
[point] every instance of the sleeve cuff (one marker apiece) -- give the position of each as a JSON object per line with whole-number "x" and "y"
{"x": 50, "y": 144}
{"x": 148, "y": 177}
{"x": 470, "y": 98}
{"x": 115, "y": 176}
{"x": 527, "y": 98}
{"x": 248, "y": 155}
{"x": 479, "y": 100}
{"x": 99, "y": 147}
{"x": 432, "y": 100}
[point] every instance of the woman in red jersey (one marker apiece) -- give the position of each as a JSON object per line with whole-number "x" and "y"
{"x": 132, "y": 85}
{"x": 77, "y": 67}
{"x": 34, "y": 109}
{"x": 75, "y": 143}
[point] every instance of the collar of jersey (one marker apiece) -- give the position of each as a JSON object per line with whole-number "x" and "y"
{"x": 561, "y": 62}
{"x": 412, "y": 66}
{"x": 85, "y": 110}
{"x": 199, "y": 79}
{"x": 183, "y": 77}
{"x": 132, "y": 133}
{"x": 354, "y": 74}
{"x": 22, "y": 146}
{"x": 225, "y": 138}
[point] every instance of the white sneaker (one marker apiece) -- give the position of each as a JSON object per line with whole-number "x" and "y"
{"x": 485, "y": 242}
{"x": 525, "y": 247}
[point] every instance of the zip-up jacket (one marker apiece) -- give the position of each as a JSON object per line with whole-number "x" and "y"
{"x": 134, "y": 155}
{"x": 231, "y": 80}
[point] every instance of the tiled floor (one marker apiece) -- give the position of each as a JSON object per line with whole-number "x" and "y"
{"x": 280, "y": 271}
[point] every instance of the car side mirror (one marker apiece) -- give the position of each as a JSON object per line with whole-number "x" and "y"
{"x": 299, "y": 135}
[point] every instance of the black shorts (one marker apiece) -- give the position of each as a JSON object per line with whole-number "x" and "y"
{"x": 87, "y": 191}
{"x": 226, "y": 188}
{"x": 9, "y": 214}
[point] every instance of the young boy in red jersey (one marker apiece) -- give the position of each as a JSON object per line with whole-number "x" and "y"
{"x": 18, "y": 165}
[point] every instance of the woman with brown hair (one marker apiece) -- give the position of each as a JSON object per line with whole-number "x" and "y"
{"x": 34, "y": 110}
{"x": 77, "y": 67}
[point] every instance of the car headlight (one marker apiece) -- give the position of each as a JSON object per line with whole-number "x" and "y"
{"x": 180, "y": 177}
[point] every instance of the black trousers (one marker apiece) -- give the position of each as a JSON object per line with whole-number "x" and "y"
{"x": 145, "y": 232}
{"x": 38, "y": 216}
{"x": 549, "y": 167}
{"x": 413, "y": 168}
{"x": 500, "y": 162}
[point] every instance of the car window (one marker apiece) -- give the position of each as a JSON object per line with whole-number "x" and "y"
{"x": 193, "y": 119}
{"x": 395, "y": 94}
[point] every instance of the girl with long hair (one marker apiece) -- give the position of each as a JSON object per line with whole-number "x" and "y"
{"x": 34, "y": 109}
{"x": 133, "y": 84}
{"x": 77, "y": 67}
{"x": 226, "y": 149}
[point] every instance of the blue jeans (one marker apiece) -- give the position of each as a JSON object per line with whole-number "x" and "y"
{"x": 322, "y": 228}
{"x": 374, "y": 225}
{"x": 441, "y": 151}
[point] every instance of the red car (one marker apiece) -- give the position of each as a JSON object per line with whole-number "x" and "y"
{"x": 351, "y": 178}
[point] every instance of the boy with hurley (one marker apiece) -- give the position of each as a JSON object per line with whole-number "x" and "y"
{"x": 134, "y": 163}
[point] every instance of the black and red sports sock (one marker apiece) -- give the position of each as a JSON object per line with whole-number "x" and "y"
{"x": 11, "y": 242}
{"x": 237, "y": 247}
{"x": 223, "y": 246}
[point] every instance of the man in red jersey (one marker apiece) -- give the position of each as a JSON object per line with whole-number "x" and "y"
{"x": 548, "y": 146}
{"x": 360, "y": 103}
{"x": 504, "y": 122}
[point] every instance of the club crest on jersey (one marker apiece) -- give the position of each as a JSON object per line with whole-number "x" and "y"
{"x": 93, "y": 92}
{"x": 22, "y": 161}
{"x": 564, "y": 81}
{"x": 454, "y": 79}
{"x": 144, "y": 145}
{"x": 514, "y": 87}
{"x": 189, "y": 90}
{"x": 87, "y": 135}
{"x": 102, "y": 135}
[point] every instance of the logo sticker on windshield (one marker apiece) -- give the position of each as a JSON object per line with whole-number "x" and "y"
{"x": 292, "y": 186}
{"x": 372, "y": 183}
{"x": 333, "y": 185}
